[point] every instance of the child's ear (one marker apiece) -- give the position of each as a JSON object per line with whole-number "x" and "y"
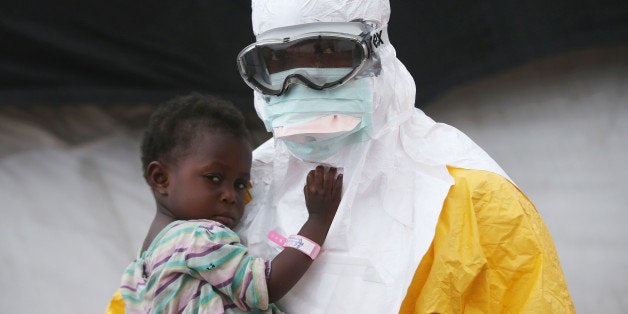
{"x": 157, "y": 177}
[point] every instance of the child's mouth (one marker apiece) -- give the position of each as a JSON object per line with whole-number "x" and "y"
{"x": 225, "y": 220}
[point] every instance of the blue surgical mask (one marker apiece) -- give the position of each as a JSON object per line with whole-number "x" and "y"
{"x": 302, "y": 104}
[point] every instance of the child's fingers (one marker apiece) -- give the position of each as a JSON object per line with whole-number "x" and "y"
{"x": 337, "y": 191}
{"x": 308, "y": 188}
{"x": 319, "y": 178}
{"x": 338, "y": 183}
{"x": 309, "y": 178}
{"x": 330, "y": 178}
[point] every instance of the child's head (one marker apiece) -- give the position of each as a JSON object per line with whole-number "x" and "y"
{"x": 196, "y": 156}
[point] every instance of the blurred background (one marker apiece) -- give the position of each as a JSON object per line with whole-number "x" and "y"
{"x": 541, "y": 86}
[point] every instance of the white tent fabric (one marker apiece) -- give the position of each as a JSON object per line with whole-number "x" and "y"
{"x": 75, "y": 207}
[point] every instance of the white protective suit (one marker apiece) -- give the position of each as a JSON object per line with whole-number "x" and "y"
{"x": 394, "y": 184}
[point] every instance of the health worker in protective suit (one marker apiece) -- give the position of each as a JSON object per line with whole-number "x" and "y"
{"x": 428, "y": 222}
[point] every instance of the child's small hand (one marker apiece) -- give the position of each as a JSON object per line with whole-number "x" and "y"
{"x": 323, "y": 190}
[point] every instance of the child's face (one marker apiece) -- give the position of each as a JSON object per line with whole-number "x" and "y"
{"x": 209, "y": 182}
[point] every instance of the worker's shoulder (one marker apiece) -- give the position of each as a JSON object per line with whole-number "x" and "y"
{"x": 486, "y": 187}
{"x": 477, "y": 178}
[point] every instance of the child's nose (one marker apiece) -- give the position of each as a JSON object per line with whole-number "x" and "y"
{"x": 228, "y": 195}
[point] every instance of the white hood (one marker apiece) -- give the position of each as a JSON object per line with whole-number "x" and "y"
{"x": 394, "y": 184}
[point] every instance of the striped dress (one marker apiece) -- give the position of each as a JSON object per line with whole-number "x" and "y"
{"x": 196, "y": 266}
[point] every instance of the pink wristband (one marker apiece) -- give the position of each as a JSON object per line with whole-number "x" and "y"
{"x": 301, "y": 243}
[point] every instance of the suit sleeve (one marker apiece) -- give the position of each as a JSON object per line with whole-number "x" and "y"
{"x": 491, "y": 253}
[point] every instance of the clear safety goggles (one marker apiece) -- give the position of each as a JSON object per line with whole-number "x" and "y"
{"x": 319, "y": 55}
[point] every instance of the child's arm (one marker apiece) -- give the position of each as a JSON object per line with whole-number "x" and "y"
{"x": 322, "y": 191}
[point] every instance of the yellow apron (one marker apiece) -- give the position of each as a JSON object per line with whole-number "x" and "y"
{"x": 116, "y": 306}
{"x": 491, "y": 253}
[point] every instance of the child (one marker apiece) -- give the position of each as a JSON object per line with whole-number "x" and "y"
{"x": 196, "y": 157}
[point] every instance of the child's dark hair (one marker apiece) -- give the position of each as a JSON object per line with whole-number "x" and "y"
{"x": 174, "y": 124}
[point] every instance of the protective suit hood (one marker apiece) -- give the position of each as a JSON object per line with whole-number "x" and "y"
{"x": 272, "y": 14}
{"x": 393, "y": 90}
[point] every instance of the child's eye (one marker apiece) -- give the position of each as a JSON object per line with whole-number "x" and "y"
{"x": 240, "y": 185}
{"x": 214, "y": 178}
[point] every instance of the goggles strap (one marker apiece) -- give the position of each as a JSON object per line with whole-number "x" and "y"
{"x": 378, "y": 38}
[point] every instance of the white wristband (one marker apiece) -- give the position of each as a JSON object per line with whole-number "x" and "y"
{"x": 296, "y": 241}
